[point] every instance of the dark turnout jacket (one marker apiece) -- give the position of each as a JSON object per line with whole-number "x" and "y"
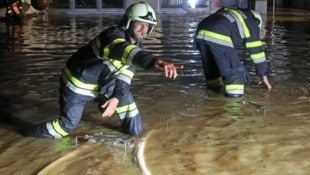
{"x": 232, "y": 28}
{"x": 110, "y": 55}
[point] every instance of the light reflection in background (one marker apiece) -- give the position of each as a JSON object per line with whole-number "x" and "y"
{"x": 192, "y": 3}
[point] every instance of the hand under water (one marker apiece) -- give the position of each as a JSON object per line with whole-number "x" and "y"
{"x": 266, "y": 83}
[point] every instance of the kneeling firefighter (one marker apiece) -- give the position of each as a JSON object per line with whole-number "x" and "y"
{"x": 102, "y": 71}
{"x": 216, "y": 38}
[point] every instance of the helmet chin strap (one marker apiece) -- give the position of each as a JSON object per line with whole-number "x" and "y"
{"x": 144, "y": 35}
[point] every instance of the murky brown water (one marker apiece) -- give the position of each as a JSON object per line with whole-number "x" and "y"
{"x": 188, "y": 130}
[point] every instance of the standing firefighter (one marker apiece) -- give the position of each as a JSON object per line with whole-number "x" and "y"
{"x": 102, "y": 70}
{"x": 216, "y": 39}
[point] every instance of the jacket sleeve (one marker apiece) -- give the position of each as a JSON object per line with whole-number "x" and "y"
{"x": 123, "y": 81}
{"x": 112, "y": 44}
{"x": 255, "y": 48}
{"x": 132, "y": 54}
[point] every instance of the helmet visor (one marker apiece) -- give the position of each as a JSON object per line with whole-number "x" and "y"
{"x": 148, "y": 18}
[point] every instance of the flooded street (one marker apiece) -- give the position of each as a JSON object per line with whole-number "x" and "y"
{"x": 189, "y": 130}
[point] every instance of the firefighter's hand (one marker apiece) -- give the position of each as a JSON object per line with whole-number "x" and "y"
{"x": 169, "y": 68}
{"x": 265, "y": 81}
{"x": 109, "y": 107}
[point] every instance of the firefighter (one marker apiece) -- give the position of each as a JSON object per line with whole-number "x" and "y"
{"x": 102, "y": 71}
{"x": 217, "y": 37}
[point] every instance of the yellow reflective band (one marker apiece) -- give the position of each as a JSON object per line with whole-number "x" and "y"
{"x": 78, "y": 83}
{"x": 234, "y": 87}
{"x": 132, "y": 54}
{"x": 253, "y": 44}
{"x": 215, "y": 35}
{"x": 125, "y": 75}
{"x": 58, "y": 128}
{"x": 258, "y": 55}
{"x": 127, "y": 72}
{"x": 128, "y": 114}
{"x": 77, "y": 89}
{"x": 106, "y": 50}
{"x": 116, "y": 63}
{"x": 126, "y": 52}
{"x": 244, "y": 26}
{"x": 118, "y": 40}
{"x": 126, "y": 108}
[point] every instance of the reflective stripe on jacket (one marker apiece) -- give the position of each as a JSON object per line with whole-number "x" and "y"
{"x": 130, "y": 111}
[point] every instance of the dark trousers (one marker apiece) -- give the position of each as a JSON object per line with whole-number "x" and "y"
{"x": 221, "y": 62}
{"x": 72, "y": 107}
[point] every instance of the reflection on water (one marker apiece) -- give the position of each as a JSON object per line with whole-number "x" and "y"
{"x": 189, "y": 130}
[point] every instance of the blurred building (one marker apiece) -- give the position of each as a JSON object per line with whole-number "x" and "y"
{"x": 159, "y": 5}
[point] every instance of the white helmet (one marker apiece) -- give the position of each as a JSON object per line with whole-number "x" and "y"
{"x": 140, "y": 11}
{"x": 258, "y": 17}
